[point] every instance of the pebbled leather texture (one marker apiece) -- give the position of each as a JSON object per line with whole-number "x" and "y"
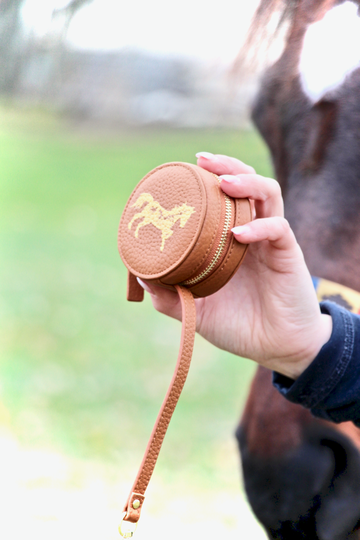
{"x": 172, "y": 396}
{"x": 173, "y": 222}
{"x": 162, "y": 220}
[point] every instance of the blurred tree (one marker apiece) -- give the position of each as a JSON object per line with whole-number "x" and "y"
{"x": 67, "y": 12}
{"x": 11, "y": 41}
{"x": 18, "y": 49}
{"x": 58, "y": 54}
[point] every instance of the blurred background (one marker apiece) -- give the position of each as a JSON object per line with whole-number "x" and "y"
{"x": 94, "y": 94}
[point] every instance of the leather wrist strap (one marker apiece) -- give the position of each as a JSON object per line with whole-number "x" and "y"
{"x": 135, "y": 500}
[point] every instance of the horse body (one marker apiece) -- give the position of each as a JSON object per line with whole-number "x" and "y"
{"x": 302, "y": 475}
{"x": 154, "y": 214}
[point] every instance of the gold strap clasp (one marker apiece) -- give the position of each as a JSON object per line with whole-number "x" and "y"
{"x": 127, "y": 528}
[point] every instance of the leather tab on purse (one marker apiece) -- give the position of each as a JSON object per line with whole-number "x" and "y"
{"x": 134, "y": 293}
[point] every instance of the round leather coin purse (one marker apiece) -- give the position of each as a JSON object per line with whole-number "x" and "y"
{"x": 175, "y": 232}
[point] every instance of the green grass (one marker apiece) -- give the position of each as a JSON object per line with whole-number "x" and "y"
{"x": 82, "y": 370}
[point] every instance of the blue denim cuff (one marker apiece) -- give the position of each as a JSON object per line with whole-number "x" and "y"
{"x": 327, "y": 386}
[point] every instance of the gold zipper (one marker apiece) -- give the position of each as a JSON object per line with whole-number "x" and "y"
{"x": 220, "y": 249}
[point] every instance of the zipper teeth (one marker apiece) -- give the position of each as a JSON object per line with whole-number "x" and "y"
{"x": 219, "y": 250}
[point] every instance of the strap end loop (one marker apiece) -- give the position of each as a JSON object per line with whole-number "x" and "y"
{"x": 127, "y": 528}
{"x": 131, "y": 515}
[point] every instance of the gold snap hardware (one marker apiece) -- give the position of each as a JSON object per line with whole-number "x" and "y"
{"x": 127, "y": 528}
{"x": 136, "y": 504}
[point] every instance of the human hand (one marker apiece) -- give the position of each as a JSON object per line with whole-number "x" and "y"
{"x": 268, "y": 311}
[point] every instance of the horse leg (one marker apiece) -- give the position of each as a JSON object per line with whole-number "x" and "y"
{"x": 134, "y": 218}
{"x": 145, "y": 221}
{"x": 165, "y": 234}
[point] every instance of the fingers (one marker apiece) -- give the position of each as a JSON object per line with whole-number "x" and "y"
{"x": 220, "y": 164}
{"x": 164, "y": 300}
{"x": 265, "y": 192}
{"x": 274, "y": 229}
{"x": 240, "y": 180}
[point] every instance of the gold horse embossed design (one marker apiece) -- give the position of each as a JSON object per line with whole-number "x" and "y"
{"x": 164, "y": 220}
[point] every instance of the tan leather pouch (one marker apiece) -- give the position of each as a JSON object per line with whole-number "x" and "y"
{"x": 175, "y": 232}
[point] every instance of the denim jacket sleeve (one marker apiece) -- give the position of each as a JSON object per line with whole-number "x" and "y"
{"x": 330, "y": 386}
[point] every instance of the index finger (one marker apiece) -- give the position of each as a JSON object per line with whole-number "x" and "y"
{"x": 220, "y": 164}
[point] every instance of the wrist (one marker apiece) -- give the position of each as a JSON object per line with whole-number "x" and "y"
{"x": 320, "y": 335}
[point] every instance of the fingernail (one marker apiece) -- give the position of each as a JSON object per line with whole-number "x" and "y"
{"x": 205, "y": 155}
{"x": 241, "y": 229}
{"x": 146, "y": 287}
{"x": 229, "y": 178}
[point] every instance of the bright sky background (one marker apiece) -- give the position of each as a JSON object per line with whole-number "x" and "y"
{"x": 207, "y": 29}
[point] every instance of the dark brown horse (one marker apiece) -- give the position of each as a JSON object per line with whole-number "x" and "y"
{"x": 302, "y": 475}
